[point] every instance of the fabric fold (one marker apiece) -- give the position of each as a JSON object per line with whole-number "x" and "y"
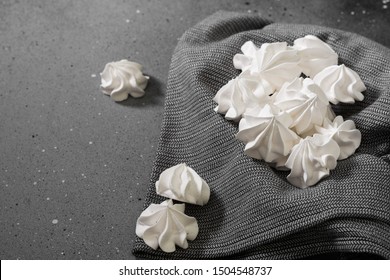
{"x": 253, "y": 211}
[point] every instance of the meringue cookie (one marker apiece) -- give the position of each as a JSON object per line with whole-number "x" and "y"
{"x": 165, "y": 225}
{"x": 243, "y": 61}
{"x": 266, "y": 134}
{"x": 344, "y": 133}
{"x": 181, "y": 182}
{"x": 121, "y": 78}
{"x": 311, "y": 159}
{"x": 305, "y": 102}
{"x": 275, "y": 63}
{"x": 281, "y": 114}
{"x": 240, "y": 94}
{"x": 315, "y": 55}
{"x": 340, "y": 84}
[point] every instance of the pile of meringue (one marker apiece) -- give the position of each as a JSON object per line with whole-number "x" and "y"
{"x": 282, "y": 101}
{"x": 120, "y": 79}
{"x": 165, "y": 225}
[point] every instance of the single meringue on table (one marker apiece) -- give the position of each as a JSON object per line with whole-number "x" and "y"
{"x": 315, "y": 54}
{"x": 275, "y": 63}
{"x": 266, "y": 134}
{"x": 340, "y": 84}
{"x": 311, "y": 159}
{"x": 165, "y": 225}
{"x": 181, "y": 182}
{"x": 240, "y": 94}
{"x": 305, "y": 102}
{"x": 122, "y": 78}
{"x": 344, "y": 133}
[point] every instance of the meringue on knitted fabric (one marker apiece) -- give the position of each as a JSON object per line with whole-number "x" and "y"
{"x": 253, "y": 211}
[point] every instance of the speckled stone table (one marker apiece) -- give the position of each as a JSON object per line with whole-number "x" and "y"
{"x": 74, "y": 164}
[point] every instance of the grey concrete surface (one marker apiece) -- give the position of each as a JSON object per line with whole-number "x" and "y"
{"x": 75, "y": 165}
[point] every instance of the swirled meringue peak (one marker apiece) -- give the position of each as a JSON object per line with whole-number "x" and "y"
{"x": 312, "y": 159}
{"x": 344, "y": 133}
{"x": 315, "y": 54}
{"x": 276, "y": 63}
{"x": 266, "y": 134}
{"x": 340, "y": 84}
{"x": 305, "y": 102}
{"x": 243, "y": 61}
{"x": 122, "y": 78}
{"x": 240, "y": 94}
{"x": 165, "y": 225}
{"x": 181, "y": 182}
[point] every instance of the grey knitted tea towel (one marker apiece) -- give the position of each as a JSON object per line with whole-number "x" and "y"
{"x": 254, "y": 212}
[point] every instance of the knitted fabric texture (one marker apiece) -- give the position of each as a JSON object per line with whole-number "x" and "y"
{"x": 253, "y": 212}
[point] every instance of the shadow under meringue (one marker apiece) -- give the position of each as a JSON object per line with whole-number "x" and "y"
{"x": 154, "y": 95}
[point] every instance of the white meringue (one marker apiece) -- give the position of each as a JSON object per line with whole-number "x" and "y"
{"x": 311, "y": 159}
{"x": 275, "y": 63}
{"x": 266, "y": 134}
{"x": 305, "y": 102}
{"x": 243, "y": 61}
{"x": 344, "y": 133}
{"x": 281, "y": 113}
{"x": 340, "y": 84}
{"x": 121, "y": 78}
{"x": 165, "y": 225}
{"x": 181, "y": 182}
{"x": 315, "y": 55}
{"x": 241, "y": 93}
